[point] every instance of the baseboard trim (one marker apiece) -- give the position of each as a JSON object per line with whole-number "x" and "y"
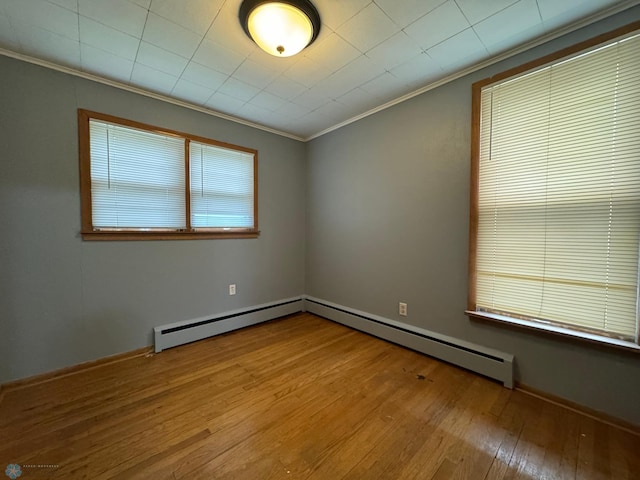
{"x": 187, "y": 331}
{"x": 255, "y": 314}
{"x": 470, "y": 356}
{"x": 72, "y": 370}
{"x": 579, "y": 409}
{"x": 121, "y": 357}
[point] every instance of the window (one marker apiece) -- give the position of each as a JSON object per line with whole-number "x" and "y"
{"x": 555, "y": 207}
{"x": 142, "y": 182}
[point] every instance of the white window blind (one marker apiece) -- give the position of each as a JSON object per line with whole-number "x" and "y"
{"x": 221, "y": 187}
{"x": 559, "y": 193}
{"x": 137, "y": 178}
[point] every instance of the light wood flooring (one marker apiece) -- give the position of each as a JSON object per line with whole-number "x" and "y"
{"x": 298, "y": 398}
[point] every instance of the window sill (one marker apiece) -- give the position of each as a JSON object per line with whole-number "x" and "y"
{"x": 167, "y": 235}
{"x": 555, "y": 330}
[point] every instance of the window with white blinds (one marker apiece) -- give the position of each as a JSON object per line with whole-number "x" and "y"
{"x": 557, "y": 207}
{"x": 139, "y": 181}
{"x": 221, "y": 187}
{"x": 137, "y": 178}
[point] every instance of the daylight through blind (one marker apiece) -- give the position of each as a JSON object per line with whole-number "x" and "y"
{"x": 559, "y": 193}
{"x": 137, "y": 178}
{"x": 221, "y": 187}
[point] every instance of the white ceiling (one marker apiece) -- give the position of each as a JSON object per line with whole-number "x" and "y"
{"x": 369, "y": 53}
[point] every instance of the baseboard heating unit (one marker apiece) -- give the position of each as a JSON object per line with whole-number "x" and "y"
{"x": 485, "y": 361}
{"x": 179, "y": 333}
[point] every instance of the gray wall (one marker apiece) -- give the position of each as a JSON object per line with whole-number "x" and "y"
{"x": 388, "y": 209}
{"x": 64, "y": 301}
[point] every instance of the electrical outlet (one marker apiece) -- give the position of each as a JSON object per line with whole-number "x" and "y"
{"x": 402, "y": 309}
{"x": 232, "y": 289}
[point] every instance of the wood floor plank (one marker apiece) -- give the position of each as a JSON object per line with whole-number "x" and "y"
{"x": 299, "y": 398}
{"x": 136, "y": 447}
{"x": 391, "y": 414}
{"x": 324, "y": 386}
{"x": 419, "y": 438}
{"x": 465, "y": 436}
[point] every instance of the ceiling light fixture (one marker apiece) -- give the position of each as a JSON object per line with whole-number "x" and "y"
{"x": 281, "y": 28}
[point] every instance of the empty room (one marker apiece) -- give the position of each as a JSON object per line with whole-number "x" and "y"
{"x": 319, "y": 239}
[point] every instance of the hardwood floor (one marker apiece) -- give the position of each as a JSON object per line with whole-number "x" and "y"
{"x": 299, "y": 398}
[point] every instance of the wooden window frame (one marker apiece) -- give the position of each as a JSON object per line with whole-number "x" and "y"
{"x": 88, "y": 231}
{"x": 571, "y": 333}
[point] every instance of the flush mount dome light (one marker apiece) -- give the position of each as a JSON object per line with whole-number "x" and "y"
{"x": 281, "y": 28}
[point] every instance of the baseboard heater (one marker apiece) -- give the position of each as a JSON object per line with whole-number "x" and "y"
{"x": 485, "y": 361}
{"x": 179, "y": 333}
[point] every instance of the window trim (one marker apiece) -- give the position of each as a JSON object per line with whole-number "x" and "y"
{"x": 573, "y": 333}
{"x": 88, "y": 232}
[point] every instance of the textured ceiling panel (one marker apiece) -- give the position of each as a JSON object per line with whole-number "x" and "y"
{"x": 368, "y": 54}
